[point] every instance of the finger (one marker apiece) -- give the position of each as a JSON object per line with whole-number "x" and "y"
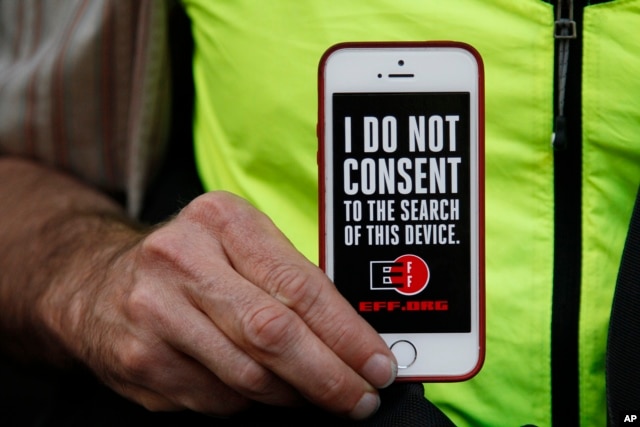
{"x": 195, "y": 389}
{"x": 200, "y": 338}
{"x": 163, "y": 379}
{"x": 277, "y": 338}
{"x": 270, "y": 332}
{"x": 261, "y": 254}
{"x": 178, "y": 319}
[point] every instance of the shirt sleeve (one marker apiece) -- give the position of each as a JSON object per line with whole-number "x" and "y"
{"x": 84, "y": 88}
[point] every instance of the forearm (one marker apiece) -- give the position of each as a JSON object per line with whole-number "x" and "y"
{"x": 57, "y": 234}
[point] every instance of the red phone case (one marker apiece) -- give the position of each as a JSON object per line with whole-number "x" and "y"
{"x": 479, "y": 178}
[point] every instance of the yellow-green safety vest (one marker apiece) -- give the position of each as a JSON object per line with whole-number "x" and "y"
{"x": 255, "y": 70}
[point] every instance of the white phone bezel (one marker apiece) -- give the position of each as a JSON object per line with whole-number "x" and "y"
{"x": 436, "y": 67}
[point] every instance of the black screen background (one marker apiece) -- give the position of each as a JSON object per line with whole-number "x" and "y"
{"x": 449, "y": 264}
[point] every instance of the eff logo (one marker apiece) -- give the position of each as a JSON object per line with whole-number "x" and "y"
{"x": 407, "y": 275}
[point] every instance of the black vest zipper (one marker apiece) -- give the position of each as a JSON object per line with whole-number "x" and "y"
{"x": 567, "y": 144}
{"x": 565, "y": 390}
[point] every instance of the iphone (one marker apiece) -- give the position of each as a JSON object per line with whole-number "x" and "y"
{"x": 401, "y": 191}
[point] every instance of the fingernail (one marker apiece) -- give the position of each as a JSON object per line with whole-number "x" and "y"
{"x": 367, "y": 406}
{"x": 380, "y": 371}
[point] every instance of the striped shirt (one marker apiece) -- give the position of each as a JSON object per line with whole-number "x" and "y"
{"x": 84, "y": 88}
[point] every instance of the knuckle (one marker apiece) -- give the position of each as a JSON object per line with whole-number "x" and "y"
{"x": 166, "y": 252}
{"x": 136, "y": 360}
{"x": 254, "y": 381}
{"x": 162, "y": 246}
{"x": 292, "y": 285}
{"x": 142, "y": 304}
{"x": 270, "y": 329}
{"x": 219, "y": 209}
{"x": 343, "y": 334}
{"x": 333, "y": 389}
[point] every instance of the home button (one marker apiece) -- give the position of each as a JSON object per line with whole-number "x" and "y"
{"x": 405, "y": 353}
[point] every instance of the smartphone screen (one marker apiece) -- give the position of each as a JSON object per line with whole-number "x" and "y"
{"x": 401, "y": 164}
{"x": 402, "y": 198}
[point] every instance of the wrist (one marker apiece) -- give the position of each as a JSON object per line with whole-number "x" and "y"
{"x": 85, "y": 254}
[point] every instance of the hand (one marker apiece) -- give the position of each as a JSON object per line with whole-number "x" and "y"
{"x": 216, "y": 309}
